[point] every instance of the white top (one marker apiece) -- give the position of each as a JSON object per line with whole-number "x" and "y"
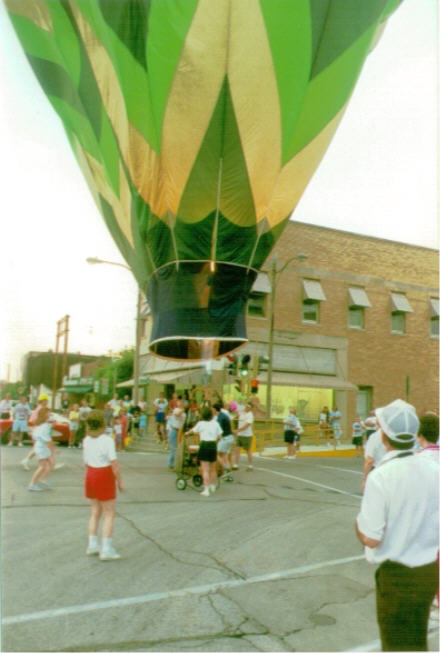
{"x": 375, "y": 448}
{"x": 335, "y": 417}
{"x": 245, "y": 418}
{"x": 160, "y": 404}
{"x": 291, "y": 423}
{"x": 431, "y": 452}
{"x": 100, "y": 451}
{"x": 83, "y": 412}
{"x": 176, "y": 421}
{"x": 5, "y": 406}
{"x": 208, "y": 431}
{"x": 21, "y": 411}
{"x": 400, "y": 508}
{"x": 42, "y": 433}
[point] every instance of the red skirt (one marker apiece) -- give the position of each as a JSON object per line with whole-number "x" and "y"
{"x": 100, "y": 483}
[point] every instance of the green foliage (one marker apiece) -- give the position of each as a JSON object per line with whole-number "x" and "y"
{"x": 116, "y": 371}
{"x": 16, "y": 389}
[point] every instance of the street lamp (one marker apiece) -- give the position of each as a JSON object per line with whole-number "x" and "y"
{"x": 274, "y": 271}
{"x": 93, "y": 260}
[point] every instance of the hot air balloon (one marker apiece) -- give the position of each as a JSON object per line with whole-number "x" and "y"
{"x": 197, "y": 125}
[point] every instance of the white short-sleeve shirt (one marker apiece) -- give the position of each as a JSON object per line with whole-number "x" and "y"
{"x": 375, "y": 448}
{"x": 245, "y": 418}
{"x": 208, "y": 431}
{"x": 100, "y": 451}
{"x": 400, "y": 508}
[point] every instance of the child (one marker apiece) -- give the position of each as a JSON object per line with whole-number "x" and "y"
{"x": 120, "y": 427}
{"x": 102, "y": 476}
{"x": 74, "y": 423}
{"x": 44, "y": 449}
{"x": 357, "y": 437}
{"x": 142, "y": 424}
{"x": 209, "y": 431}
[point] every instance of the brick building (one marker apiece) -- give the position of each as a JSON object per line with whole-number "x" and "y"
{"x": 359, "y": 317}
{"x": 355, "y": 324}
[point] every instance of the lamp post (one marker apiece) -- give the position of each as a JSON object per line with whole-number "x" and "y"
{"x": 93, "y": 260}
{"x": 274, "y": 271}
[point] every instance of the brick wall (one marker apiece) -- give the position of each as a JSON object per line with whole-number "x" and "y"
{"x": 376, "y": 357}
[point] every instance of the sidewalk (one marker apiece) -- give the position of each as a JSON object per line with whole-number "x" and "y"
{"x": 148, "y": 444}
{"x": 309, "y": 450}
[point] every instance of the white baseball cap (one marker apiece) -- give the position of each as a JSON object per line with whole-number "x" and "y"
{"x": 399, "y": 421}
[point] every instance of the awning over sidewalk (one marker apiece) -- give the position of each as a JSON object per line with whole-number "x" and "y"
{"x": 76, "y": 389}
{"x": 307, "y": 381}
{"x": 169, "y": 377}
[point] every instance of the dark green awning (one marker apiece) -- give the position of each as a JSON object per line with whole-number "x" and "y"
{"x": 77, "y": 389}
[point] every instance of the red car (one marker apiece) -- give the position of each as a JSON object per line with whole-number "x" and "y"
{"x": 60, "y": 429}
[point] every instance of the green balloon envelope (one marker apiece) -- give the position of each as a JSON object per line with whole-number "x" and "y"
{"x": 198, "y": 124}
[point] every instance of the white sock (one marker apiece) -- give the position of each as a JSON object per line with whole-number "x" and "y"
{"x": 106, "y": 543}
{"x": 93, "y": 540}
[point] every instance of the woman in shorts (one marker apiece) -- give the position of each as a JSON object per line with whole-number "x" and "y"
{"x": 291, "y": 424}
{"x": 209, "y": 431}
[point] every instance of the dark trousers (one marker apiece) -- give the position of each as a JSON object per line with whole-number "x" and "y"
{"x": 403, "y": 600}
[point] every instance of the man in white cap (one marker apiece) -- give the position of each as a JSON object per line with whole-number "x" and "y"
{"x": 398, "y": 524}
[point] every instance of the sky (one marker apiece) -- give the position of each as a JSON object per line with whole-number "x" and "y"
{"x": 378, "y": 178}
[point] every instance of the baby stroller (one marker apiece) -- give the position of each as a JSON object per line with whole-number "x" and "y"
{"x": 186, "y": 465}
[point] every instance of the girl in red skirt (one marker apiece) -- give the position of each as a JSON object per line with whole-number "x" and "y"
{"x": 102, "y": 477}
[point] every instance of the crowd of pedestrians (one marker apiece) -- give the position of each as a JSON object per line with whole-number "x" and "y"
{"x": 398, "y": 517}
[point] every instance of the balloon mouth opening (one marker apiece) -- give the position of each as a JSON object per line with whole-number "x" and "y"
{"x": 194, "y": 349}
{"x": 198, "y": 310}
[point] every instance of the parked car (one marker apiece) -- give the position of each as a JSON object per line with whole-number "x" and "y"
{"x": 60, "y": 429}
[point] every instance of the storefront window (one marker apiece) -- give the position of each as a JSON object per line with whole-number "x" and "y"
{"x": 307, "y": 401}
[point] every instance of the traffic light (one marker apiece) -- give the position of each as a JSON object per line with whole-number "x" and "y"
{"x": 232, "y": 366}
{"x": 263, "y": 362}
{"x": 254, "y": 386}
{"x": 244, "y": 365}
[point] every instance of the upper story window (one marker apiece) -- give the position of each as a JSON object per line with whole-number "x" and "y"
{"x": 313, "y": 295}
{"x": 256, "y": 306}
{"x": 257, "y": 301}
{"x": 357, "y": 302}
{"x": 400, "y": 306}
{"x": 433, "y": 318}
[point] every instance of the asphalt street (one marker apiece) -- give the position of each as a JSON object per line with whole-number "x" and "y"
{"x": 270, "y": 562}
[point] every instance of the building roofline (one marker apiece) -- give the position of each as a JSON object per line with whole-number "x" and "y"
{"x": 361, "y": 236}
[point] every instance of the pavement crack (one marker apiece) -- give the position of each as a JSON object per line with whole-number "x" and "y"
{"x": 222, "y": 565}
{"x": 219, "y": 566}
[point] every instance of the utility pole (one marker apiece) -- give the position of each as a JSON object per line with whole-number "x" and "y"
{"x": 274, "y": 271}
{"x": 62, "y": 330}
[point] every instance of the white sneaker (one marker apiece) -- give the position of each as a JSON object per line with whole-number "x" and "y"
{"x": 9, "y": 444}
{"x": 93, "y": 550}
{"x": 58, "y": 466}
{"x": 212, "y": 488}
{"x": 25, "y": 464}
{"x": 205, "y": 492}
{"x": 109, "y": 554}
